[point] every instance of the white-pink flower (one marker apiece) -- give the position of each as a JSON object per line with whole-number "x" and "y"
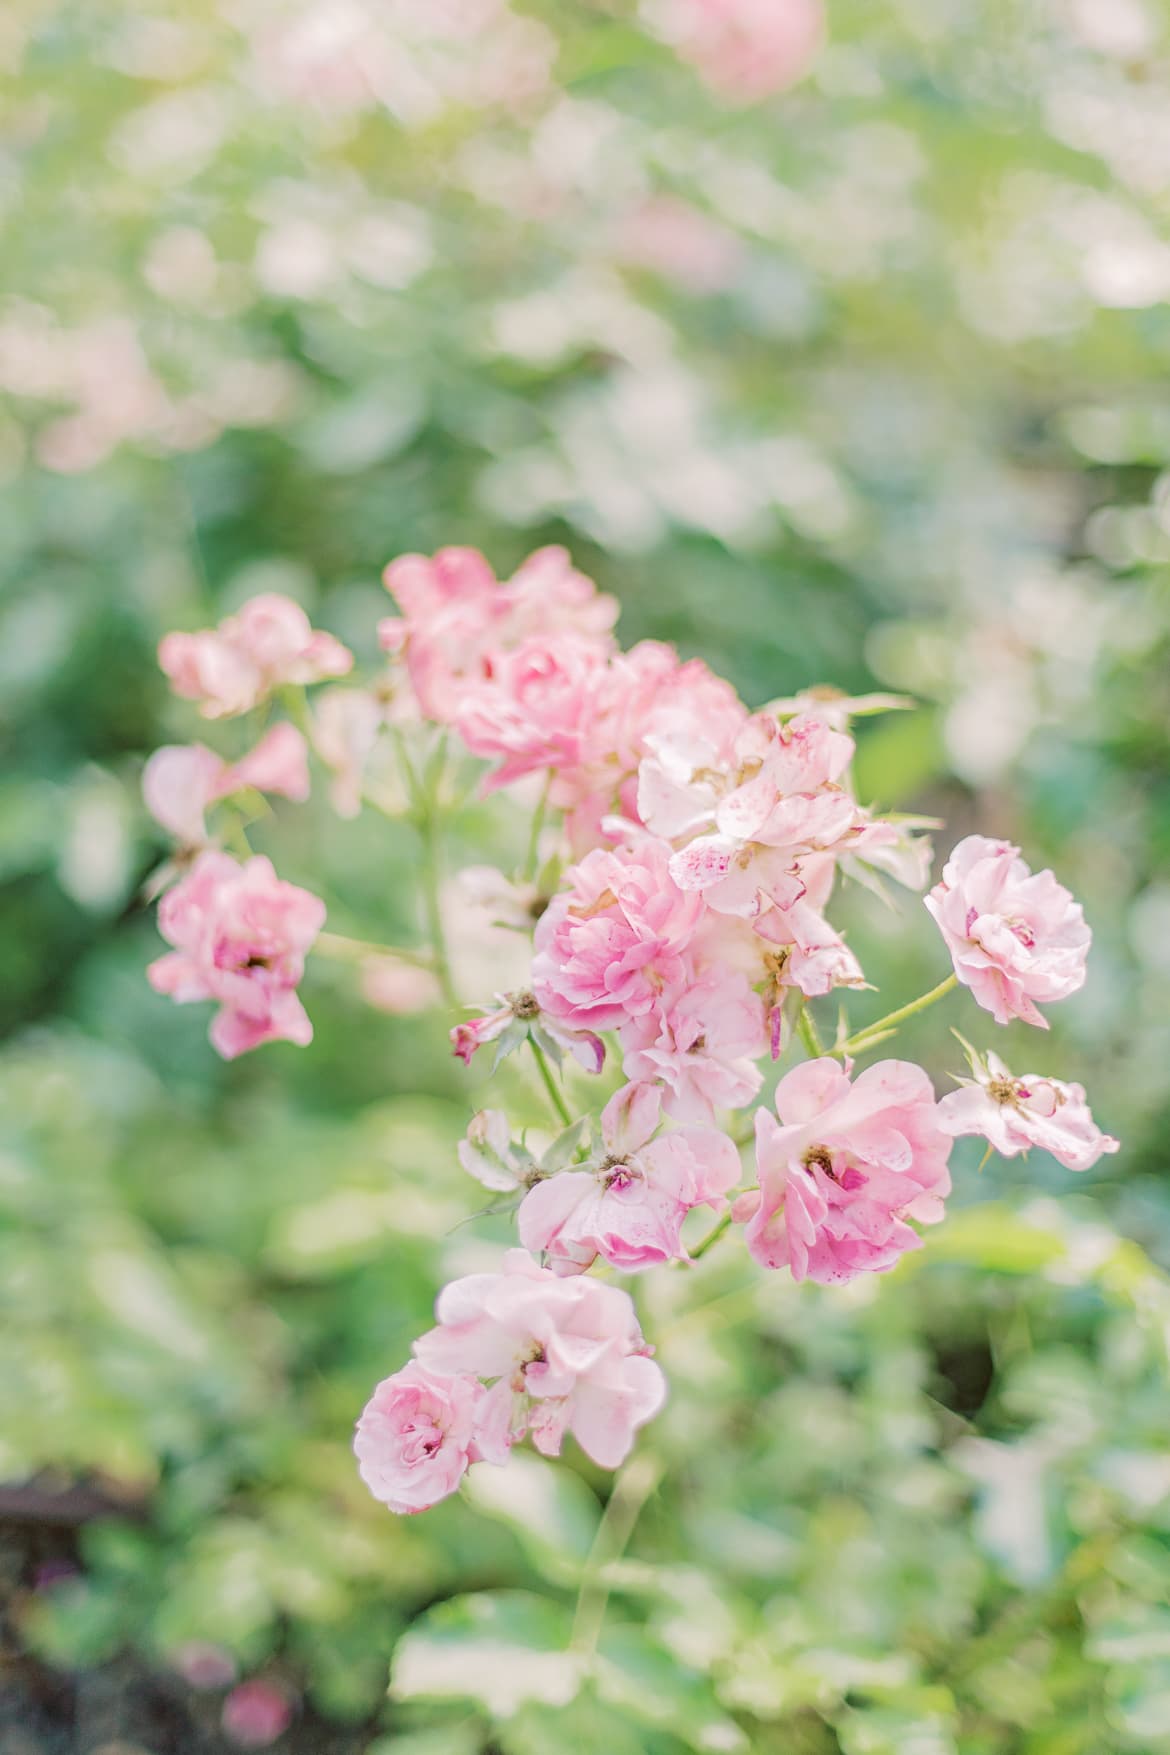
{"x": 231, "y": 668}
{"x": 1018, "y": 1114}
{"x": 844, "y": 1169}
{"x": 700, "y": 1041}
{"x": 614, "y": 938}
{"x": 181, "y": 781}
{"x": 780, "y": 801}
{"x": 562, "y": 1355}
{"x": 416, "y": 1437}
{"x": 1017, "y": 939}
{"x": 240, "y": 935}
{"x": 628, "y": 1204}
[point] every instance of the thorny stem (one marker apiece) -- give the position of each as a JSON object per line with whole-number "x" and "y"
{"x": 631, "y": 1490}
{"x": 863, "y": 1038}
{"x": 528, "y": 872}
{"x": 550, "y": 1084}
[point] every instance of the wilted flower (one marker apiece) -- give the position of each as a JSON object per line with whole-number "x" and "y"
{"x": 1016, "y": 1114}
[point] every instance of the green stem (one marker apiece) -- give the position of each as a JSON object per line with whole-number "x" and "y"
{"x": 530, "y": 858}
{"x": 550, "y": 1084}
{"x": 423, "y": 800}
{"x": 632, "y": 1488}
{"x": 355, "y": 950}
{"x": 861, "y": 1039}
{"x": 712, "y": 1237}
{"x": 808, "y": 1032}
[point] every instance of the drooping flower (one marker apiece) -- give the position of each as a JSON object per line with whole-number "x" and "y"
{"x": 180, "y": 781}
{"x": 614, "y": 938}
{"x": 415, "y": 1437}
{"x": 1018, "y": 1114}
{"x": 844, "y": 1169}
{"x": 628, "y": 1204}
{"x": 700, "y": 1041}
{"x": 231, "y": 668}
{"x": 1017, "y": 938}
{"x": 562, "y": 1355}
{"x": 519, "y": 1016}
{"x": 240, "y": 935}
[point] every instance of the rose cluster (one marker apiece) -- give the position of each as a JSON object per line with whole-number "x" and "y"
{"x": 683, "y": 858}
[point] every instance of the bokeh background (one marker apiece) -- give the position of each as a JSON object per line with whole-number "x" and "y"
{"x": 847, "y": 363}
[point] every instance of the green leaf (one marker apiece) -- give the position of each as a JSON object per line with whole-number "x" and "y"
{"x": 498, "y": 1649}
{"x": 554, "y": 1514}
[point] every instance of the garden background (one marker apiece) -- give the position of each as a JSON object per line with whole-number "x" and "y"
{"x": 861, "y": 381}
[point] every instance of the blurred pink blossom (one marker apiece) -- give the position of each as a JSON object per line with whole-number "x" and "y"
{"x": 241, "y": 935}
{"x": 180, "y": 781}
{"x": 231, "y": 668}
{"x": 256, "y": 1713}
{"x": 745, "y": 49}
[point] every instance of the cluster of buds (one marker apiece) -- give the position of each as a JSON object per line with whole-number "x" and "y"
{"x": 690, "y": 850}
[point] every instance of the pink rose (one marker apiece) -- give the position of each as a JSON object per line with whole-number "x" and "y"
{"x": 614, "y": 937}
{"x": 230, "y": 669}
{"x": 628, "y": 1205}
{"x": 240, "y": 937}
{"x": 416, "y": 1437}
{"x": 458, "y": 621}
{"x": 700, "y": 1041}
{"x": 1015, "y": 938}
{"x": 562, "y": 1355}
{"x": 180, "y": 781}
{"x": 537, "y": 709}
{"x": 1016, "y": 1114}
{"x": 844, "y": 1169}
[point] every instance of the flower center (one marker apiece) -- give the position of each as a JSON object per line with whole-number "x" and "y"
{"x": 1004, "y": 1091}
{"x": 524, "y": 1006}
{"x": 820, "y": 1158}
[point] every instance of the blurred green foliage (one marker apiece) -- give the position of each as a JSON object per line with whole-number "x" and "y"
{"x": 864, "y": 383}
